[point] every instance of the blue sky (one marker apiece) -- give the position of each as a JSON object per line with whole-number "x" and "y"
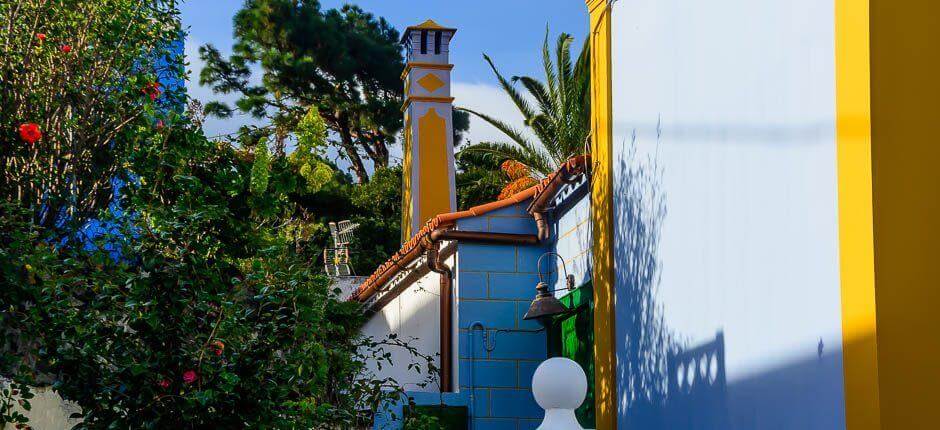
{"x": 510, "y": 31}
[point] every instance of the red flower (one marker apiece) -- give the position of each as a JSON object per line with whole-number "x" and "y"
{"x": 218, "y": 347}
{"x": 152, "y": 90}
{"x": 66, "y": 48}
{"x": 30, "y": 133}
{"x": 41, "y": 37}
{"x": 164, "y": 384}
{"x": 190, "y": 376}
{"x": 159, "y": 124}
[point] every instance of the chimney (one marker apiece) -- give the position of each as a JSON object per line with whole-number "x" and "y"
{"x": 428, "y": 166}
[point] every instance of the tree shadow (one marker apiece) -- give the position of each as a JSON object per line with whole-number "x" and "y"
{"x": 667, "y": 381}
{"x": 644, "y": 343}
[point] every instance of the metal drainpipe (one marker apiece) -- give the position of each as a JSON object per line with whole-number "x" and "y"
{"x": 473, "y": 326}
{"x": 446, "y": 310}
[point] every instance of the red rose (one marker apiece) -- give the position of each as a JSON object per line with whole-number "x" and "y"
{"x": 66, "y": 49}
{"x": 164, "y": 384}
{"x": 41, "y": 37}
{"x": 190, "y": 376}
{"x": 30, "y": 133}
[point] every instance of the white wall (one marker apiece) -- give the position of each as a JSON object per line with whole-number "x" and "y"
{"x": 414, "y": 316}
{"x": 48, "y": 411}
{"x": 725, "y": 209}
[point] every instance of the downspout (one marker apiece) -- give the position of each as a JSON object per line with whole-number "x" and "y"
{"x": 447, "y": 284}
{"x": 433, "y": 246}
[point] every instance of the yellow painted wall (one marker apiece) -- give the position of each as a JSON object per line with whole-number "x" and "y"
{"x": 433, "y": 182}
{"x": 905, "y": 111}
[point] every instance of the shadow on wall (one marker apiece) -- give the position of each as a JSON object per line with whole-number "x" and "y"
{"x": 664, "y": 381}
{"x": 644, "y": 342}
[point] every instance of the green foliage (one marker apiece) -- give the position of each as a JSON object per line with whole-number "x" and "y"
{"x": 84, "y": 73}
{"x": 560, "y": 118}
{"x": 261, "y": 168}
{"x": 378, "y": 211}
{"x": 479, "y": 178}
{"x": 306, "y": 158}
{"x": 207, "y": 320}
{"x": 204, "y": 308}
{"x": 422, "y": 422}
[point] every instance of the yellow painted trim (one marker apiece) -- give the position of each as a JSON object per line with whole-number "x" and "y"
{"x": 856, "y": 240}
{"x": 431, "y": 83}
{"x": 433, "y": 187}
{"x": 605, "y": 385}
{"x": 425, "y": 99}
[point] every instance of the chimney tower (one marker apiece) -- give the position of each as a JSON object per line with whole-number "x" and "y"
{"x": 428, "y": 166}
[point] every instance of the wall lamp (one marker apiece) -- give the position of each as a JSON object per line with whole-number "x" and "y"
{"x": 546, "y": 305}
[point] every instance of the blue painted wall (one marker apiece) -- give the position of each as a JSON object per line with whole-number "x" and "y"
{"x": 495, "y": 285}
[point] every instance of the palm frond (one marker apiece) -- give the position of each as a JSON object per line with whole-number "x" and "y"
{"x": 536, "y": 161}
{"x": 517, "y": 137}
{"x": 514, "y": 95}
{"x": 548, "y": 64}
{"x": 559, "y": 116}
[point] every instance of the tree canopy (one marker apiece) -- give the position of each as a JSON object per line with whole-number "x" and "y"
{"x": 345, "y": 62}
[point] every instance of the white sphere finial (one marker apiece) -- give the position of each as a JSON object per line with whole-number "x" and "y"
{"x": 559, "y": 386}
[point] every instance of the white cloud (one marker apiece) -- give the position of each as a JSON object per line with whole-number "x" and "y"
{"x": 490, "y": 100}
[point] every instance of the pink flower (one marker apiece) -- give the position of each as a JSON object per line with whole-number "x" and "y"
{"x": 189, "y": 376}
{"x": 66, "y": 48}
{"x": 30, "y": 133}
{"x": 160, "y": 124}
{"x": 164, "y": 384}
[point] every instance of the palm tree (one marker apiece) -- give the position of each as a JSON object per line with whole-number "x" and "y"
{"x": 559, "y": 117}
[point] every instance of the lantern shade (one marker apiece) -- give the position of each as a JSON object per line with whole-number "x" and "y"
{"x": 545, "y": 305}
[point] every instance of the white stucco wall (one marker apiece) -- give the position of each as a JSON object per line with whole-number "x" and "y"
{"x": 726, "y": 209}
{"x": 414, "y": 316}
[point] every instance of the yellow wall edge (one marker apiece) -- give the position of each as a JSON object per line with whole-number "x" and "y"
{"x": 605, "y": 393}
{"x": 856, "y": 240}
